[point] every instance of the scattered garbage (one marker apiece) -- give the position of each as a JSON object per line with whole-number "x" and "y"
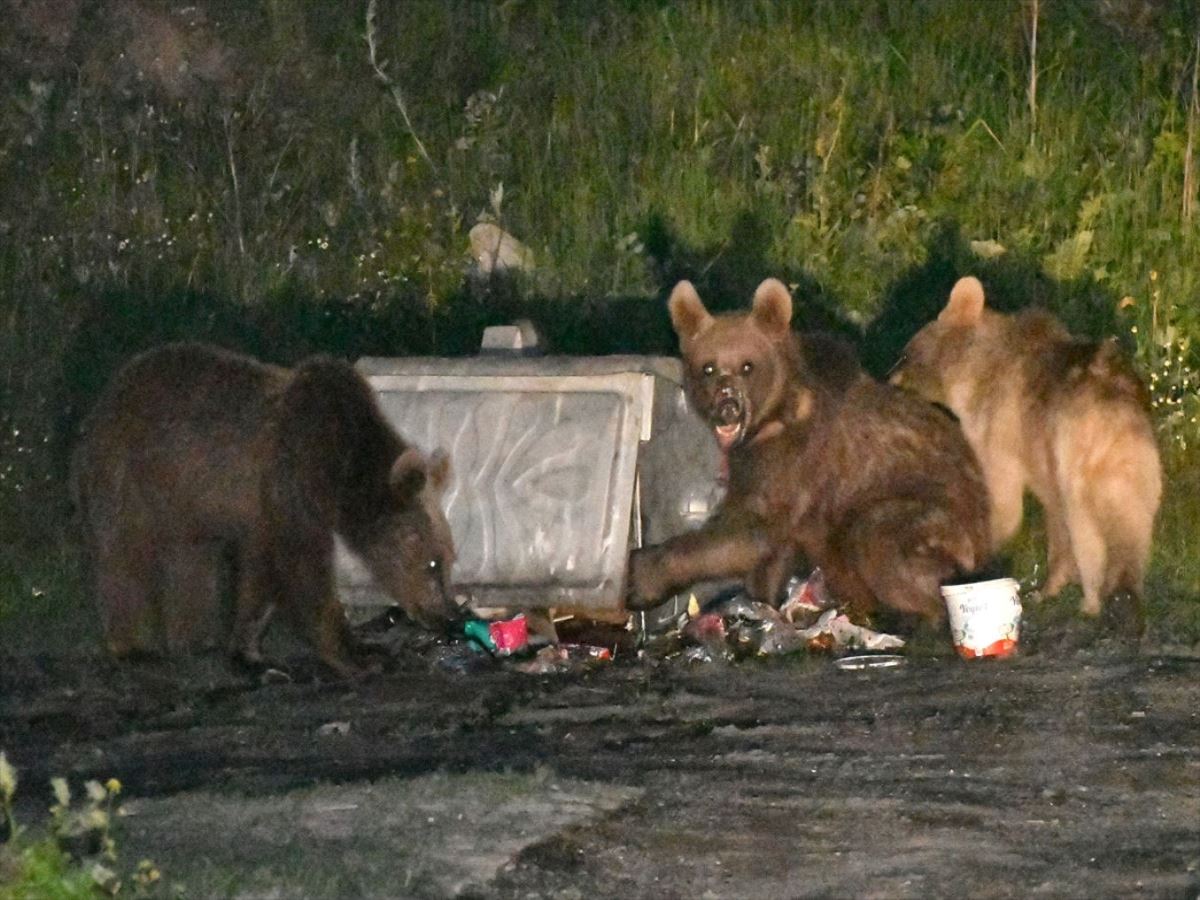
{"x": 728, "y": 627}
{"x": 503, "y": 637}
{"x": 334, "y": 728}
{"x": 757, "y": 629}
{"x": 734, "y": 626}
{"x": 532, "y": 647}
{"x": 510, "y": 635}
{"x": 556, "y": 658}
{"x": 462, "y": 658}
{"x": 527, "y": 641}
{"x": 860, "y": 662}
{"x": 480, "y": 632}
{"x": 707, "y": 630}
{"x": 703, "y": 654}
{"x": 844, "y": 634}
{"x": 806, "y": 599}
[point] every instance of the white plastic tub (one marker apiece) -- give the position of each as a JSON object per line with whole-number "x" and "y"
{"x": 985, "y": 617}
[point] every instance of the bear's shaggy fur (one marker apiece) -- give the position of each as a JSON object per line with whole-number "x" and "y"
{"x": 198, "y": 467}
{"x": 1066, "y": 418}
{"x": 876, "y": 487}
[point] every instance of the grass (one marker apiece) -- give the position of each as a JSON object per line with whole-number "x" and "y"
{"x": 75, "y": 855}
{"x": 43, "y": 600}
{"x": 271, "y": 192}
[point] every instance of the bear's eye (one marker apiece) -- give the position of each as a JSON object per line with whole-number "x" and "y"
{"x": 747, "y": 367}
{"x": 434, "y": 565}
{"x": 709, "y": 369}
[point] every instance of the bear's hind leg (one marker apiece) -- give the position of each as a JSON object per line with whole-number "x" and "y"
{"x": 126, "y": 596}
{"x": 192, "y": 613}
{"x": 1061, "y": 559}
{"x": 1091, "y": 554}
{"x": 903, "y": 550}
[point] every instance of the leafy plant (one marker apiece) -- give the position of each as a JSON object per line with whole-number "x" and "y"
{"x": 1174, "y": 383}
{"x": 77, "y": 858}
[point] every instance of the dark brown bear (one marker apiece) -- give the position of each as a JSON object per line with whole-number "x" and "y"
{"x": 199, "y": 466}
{"x": 878, "y": 488}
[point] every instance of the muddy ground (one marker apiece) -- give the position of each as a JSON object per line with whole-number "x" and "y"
{"x": 1069, "y": 771}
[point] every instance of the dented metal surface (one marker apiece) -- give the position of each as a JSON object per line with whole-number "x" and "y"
{"x": 558, "y": 464}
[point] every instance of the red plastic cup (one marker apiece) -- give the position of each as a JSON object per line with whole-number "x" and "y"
{"x": 509, "y": 635}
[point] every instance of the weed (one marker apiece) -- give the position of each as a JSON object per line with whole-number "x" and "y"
{"x": 1165, "y": 353}
{"x": 77, "y": 858}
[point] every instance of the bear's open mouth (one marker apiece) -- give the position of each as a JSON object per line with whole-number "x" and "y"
{"x": 729, "y": 415}
{"x": 728, "y": 435}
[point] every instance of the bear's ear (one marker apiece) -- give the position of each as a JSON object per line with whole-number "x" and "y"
{"x": 439, "y": 470}
{"x": 965, "y": 306}
{"x": 409, "y": 473}
{"x": 772, "y": 306}
{"x": 688, "y": 315}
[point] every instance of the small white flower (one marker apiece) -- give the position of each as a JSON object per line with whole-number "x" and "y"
{"x": 95, "y": 791}
{"x": 62, "y": 791}
{"x": 8, "y": 778}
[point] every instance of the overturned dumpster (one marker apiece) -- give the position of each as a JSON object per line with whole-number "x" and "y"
{"x": 559, "y": 466}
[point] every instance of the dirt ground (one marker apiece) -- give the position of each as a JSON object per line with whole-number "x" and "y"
{"x": 1063, "y": 772}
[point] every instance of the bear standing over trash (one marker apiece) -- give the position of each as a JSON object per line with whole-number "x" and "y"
{"x": 826, "y": 465}
{"x": 198, "y": 466}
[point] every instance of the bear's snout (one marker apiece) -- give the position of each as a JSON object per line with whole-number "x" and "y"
{"x": 729, "y": 410}
{"x": 728, "y": 414}
{"x": 728, "y": 405}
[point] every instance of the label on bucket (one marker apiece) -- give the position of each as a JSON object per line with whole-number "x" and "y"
{"x": 985, "y": 617}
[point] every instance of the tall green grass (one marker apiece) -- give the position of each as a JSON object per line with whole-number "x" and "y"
{"x": 845, "y": 127}
{"x": 285, "y": 198}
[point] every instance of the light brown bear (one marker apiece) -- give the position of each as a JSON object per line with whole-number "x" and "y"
{"x": 1064, "y": 418}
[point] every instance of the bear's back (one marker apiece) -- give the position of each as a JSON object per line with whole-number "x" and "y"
{"x": 183, "y": 432}
{"x": 882, "y": 438}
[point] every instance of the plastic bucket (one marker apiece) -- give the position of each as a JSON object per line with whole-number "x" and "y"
{"x": 985, "y": 617}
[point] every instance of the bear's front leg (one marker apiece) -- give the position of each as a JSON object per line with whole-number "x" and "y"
{"x": 718, "y": 551}
{"x": 259, "y": 592}
{"x": 335, "y": 645}
{"x": 766, "y": 583}
{"x": 311, "y": 600}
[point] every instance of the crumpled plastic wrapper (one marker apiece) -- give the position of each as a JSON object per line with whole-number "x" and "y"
{"x": 808, "y": 619}
{"x": 757, "y": 628}
{"x": 807, "y": 599}
{"x": 844, "y": 634}
{"x": 556, "y": 658}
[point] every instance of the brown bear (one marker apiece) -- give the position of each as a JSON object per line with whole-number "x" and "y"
{"x": 199, "y": 466}
{"x": 877, "y": 487}
{"x": 1066, "y": 418}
